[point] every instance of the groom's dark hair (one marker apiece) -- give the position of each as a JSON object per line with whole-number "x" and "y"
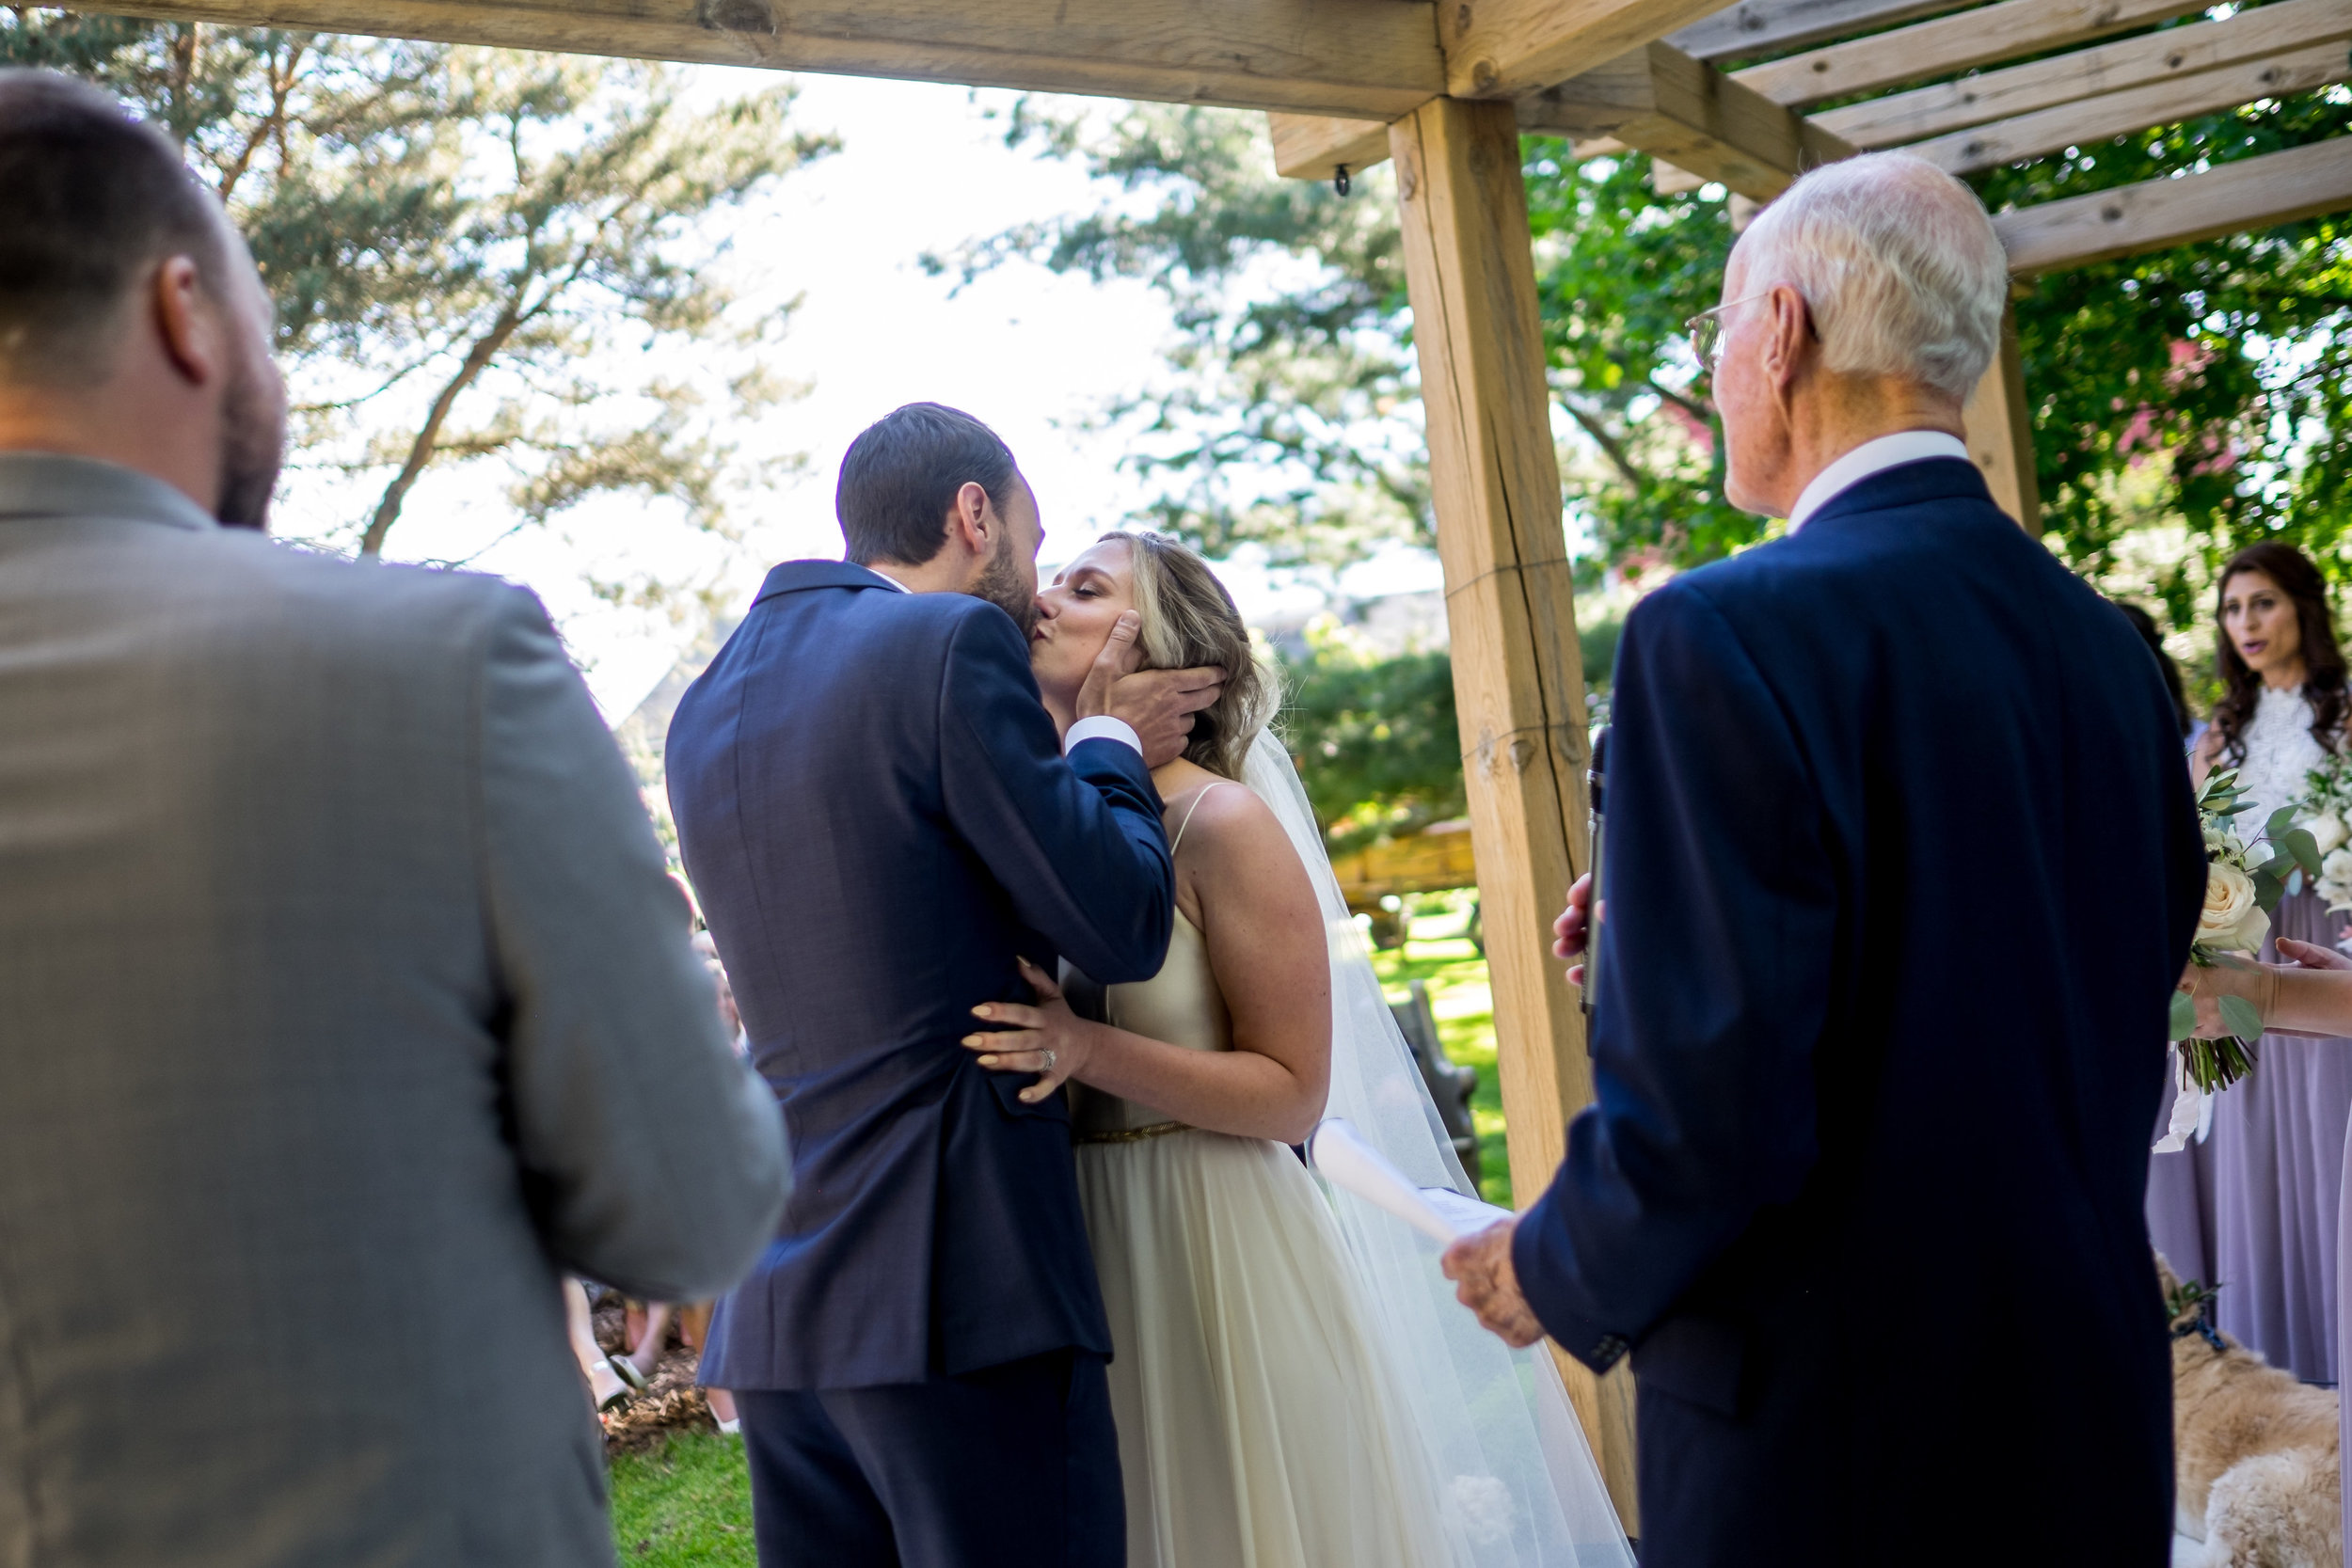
{"x": 901, "y": 475}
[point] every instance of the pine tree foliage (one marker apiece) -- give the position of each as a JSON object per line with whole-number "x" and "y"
{"x": 477, "y": 255}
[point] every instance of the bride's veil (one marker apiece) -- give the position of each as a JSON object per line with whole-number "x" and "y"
{"x": 1518, "y": 1482}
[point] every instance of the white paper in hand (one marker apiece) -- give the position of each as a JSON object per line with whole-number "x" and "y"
{"x": 1348, "y": 1162}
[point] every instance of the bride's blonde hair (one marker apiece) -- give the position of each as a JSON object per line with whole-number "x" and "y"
{"x": 1189, "y": 620}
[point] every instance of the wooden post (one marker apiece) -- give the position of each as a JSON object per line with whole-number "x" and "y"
{"x": 1519, "y": 677}
{"x": 1999, "y": 424}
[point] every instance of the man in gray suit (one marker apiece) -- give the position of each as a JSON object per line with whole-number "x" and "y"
{"x": 344, "y": 1001}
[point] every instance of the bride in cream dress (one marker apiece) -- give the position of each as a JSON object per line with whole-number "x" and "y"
{"x": 1294, "y": 1384}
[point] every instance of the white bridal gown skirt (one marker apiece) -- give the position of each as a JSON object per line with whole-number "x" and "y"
{"x": 1257, "y": 1427}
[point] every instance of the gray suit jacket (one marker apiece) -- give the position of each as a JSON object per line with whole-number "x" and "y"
{"x": 343, "y": 1003}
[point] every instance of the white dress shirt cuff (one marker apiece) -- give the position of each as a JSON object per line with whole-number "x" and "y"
{"x": 1103, "y": 727}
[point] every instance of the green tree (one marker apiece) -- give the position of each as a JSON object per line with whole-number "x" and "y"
{"x": 2194, "y": 398}
{"x": 1375, "y": 739}
{"x": 475, "y": 254}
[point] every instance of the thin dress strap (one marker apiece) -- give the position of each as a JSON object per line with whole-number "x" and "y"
{"x": 1189, "y": 809}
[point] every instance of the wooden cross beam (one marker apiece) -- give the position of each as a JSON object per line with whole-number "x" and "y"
{"x": 1982, "y": 36}
{"x": 1766, "y": 26}
{"x": 2169, "y": 55}
{"x": 2156, "y": 103}
{"x": 1371, "y": 57}
{"x": 1655, "y": 99}
{"x": 2155, "y": 214}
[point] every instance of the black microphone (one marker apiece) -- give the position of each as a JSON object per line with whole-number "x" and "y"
{"x": 1592, "y": 910}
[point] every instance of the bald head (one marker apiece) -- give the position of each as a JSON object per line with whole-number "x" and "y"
{"x": 132, "y": 325}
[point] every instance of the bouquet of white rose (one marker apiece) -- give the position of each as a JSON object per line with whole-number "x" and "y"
{"x": 2326, "y": 815}
{"x": 2244, "y": 882}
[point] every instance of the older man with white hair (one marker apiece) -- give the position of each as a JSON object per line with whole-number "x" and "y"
{"x": 1880, "y": 1263}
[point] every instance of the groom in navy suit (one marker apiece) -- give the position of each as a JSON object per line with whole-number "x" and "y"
{"x": 874, "y": 808}
{"x": 1870, "y": 1225}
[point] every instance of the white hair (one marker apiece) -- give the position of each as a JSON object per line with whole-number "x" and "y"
{"x": 1897, "y": 263}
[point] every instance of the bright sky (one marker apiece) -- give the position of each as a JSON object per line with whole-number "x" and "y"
{"x": 922, "y": 168}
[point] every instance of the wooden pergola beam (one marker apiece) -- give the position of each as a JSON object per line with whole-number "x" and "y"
{"x": 1373, "y": 58}
{"x": 1998, "y": 422}
{"x": 1762, "y": 26}
{"x": 1510, "y": 48}
{"x": 1693, "y": 117}
{"x": 1518, "y": 677}
{"x": 1948, "y": 44}
{"x": 1654, "y": 99}
{"x": 2116, "y": 114}
{"x": 2167, "y": 55}
{"x": 2155, "y": 214}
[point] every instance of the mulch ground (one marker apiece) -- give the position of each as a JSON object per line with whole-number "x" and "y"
{"x": 673, "y": 1403}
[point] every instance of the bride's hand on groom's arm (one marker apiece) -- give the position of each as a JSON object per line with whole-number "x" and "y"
{"x": 1158, "y": 704}
{"x": 1047, "y": 1039}
{"x": 1486, "y": 1283}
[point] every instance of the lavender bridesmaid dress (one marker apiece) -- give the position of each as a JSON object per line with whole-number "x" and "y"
{"x": 2278, "y": 1145}
{"x": 2180, "y": 1200}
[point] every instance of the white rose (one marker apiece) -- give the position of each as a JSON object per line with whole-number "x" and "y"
{"x": 2337, "y": 868}
{"x": 2230, "y": 913}
{"x": 2328, "y": 831}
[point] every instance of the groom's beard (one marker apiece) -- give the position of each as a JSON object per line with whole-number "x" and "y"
{"x": 1000, "y": 584}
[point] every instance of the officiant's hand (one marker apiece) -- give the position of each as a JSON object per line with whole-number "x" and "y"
{"x": 1047, "y": 1039}
{"x": 1484, "y": 1281}
{"x": 1571, "y": 932}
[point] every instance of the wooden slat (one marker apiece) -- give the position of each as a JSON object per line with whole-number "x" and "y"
{"x": 1953, "y": 43}
{"x": 2248, "y": 194}
{"x": 1510, "y": 48}
{"x": 2166, "y": 56}
{"x": 1709, "y": 124}
{"x": 1655, "y": 99}
{"x": 1765, "y": 26}
{"x": 1314, "y": 146}
{"x": 2116, "y": 114}
{"x": 1518, "y": 678}
{"x": 1999, "y": 425}
{"x": 1346, "y": 57}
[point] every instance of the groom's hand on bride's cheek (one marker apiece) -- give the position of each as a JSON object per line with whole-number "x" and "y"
{"x": 1487, "y": 1284}
{"x": 1158, "y": 705}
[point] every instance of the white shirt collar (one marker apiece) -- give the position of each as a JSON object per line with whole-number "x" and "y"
{"x": 1887, "y": 452}
{"x": 888, "y": 578}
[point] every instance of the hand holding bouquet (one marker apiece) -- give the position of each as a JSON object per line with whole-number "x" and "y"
{"x": 2243, "y": 885}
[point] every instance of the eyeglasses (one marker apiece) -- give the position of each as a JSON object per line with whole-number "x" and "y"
{"x": 1706, "y": 329}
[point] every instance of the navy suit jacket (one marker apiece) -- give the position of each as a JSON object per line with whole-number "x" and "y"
{"x": 875, "y": 812}
{"x": 1902, "y": 869}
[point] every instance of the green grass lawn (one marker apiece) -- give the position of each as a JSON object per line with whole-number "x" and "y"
{"x": 1437, "y": 953}
{"x": 686, "y": 1504}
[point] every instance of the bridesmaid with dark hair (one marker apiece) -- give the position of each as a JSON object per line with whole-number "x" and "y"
{"x": 2278, "y": 1141}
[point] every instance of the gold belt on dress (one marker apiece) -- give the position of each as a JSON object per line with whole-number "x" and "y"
{"x": 1132, "y": 1135}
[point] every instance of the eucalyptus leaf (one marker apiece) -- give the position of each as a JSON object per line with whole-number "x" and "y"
{"x": 2279, "y": 822}
{"x": 2183, "y": 1022}
{"x": 2239, "y": 1016}
{"x": 2305, "y": 848}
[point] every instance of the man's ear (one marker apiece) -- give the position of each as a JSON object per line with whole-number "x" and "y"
{"x": 187, "y": 321}
{"x": 972, "y": 521}
{"x": 1785, "y": 356}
